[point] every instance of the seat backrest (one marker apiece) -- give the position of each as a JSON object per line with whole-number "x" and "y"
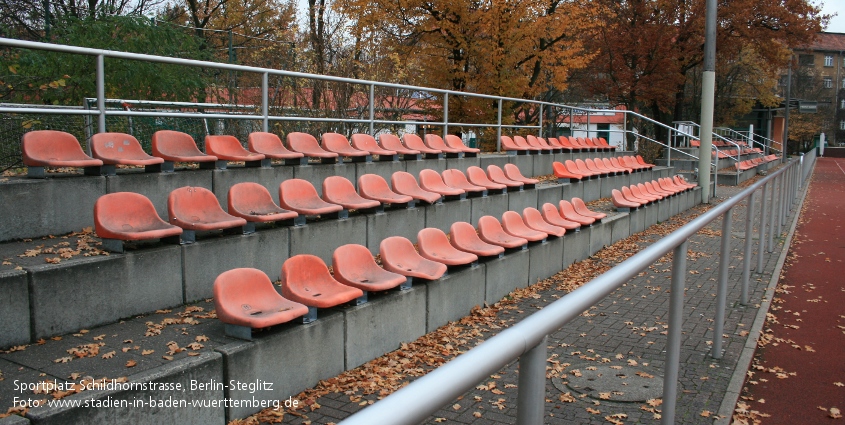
{"x": 521, "y": 142}
{"x": 174, "y": 143}
{"x": 412, "y": 141}
{"x": 509, "y": 145}
{"x": 399, "y": 256}
{"x": 456, "y": 178}
{"x": 338, "y": 143}
{"x": 434, "y": 244}
{"x": 116, "y": 210}
{"x": 364, "y": 142}
{"x": 432, "y": 180}
{"x": 391, "y": 142}
{"x": 303, "y": 142}
{"x": 373, "y": 183}
{"x": 512, "y": 172}
{"x": 246, "y": 289}
{"x": 296, "y": 191}
{"x": 435, "y": 142}
{"x": 477, "y": 176}
{"x": 112, "y": 146}
{"x": 454, "y": 142}
{"x": 225, "y": 144}
{"x": 512, "y": 223}
{"x": 338, "y": 189}
{"x": 192, "y": 203}
{"x": 247, "y": 196}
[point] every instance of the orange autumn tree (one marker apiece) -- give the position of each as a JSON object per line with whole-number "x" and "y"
{"x": 514, "y": 48}
{"x": 652, "y": 49}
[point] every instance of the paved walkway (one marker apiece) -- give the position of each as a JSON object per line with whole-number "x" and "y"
{"x": 799, "y": 371}
{"x": 623, "y": 335}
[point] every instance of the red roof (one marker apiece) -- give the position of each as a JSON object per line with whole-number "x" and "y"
{"x": 829, "y": 41}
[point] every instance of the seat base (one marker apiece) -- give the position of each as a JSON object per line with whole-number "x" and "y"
{"x": 41, "y": 172}
{"x": 470, "y": 154}
{"x": 434, "y": 156}
{"x": 332, "y": 160}
{"x": 388, "y": 158}
{"x": 482, "y": 194}
{"x": 409, "y": 282}
{"x": 412, "y": 157}
{"x": 362, "y": 299}
{"x": 501, "y": 191}
{"x": 237, "y": 331}
{"x": 566, "y": 180}
{"x": 368, "y": 158}
{"x": 311, "y": 316}
{"x": 454, "y": 154}
{"x": 460, "y": 197}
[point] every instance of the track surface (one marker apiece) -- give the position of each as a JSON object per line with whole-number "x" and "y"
{"x": 809, "y": 329}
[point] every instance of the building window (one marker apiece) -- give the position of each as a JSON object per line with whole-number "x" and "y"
{"x": 828, "y": 60}
{"x": 843, "y": 83}
{"x": 828, "y": 82}
{"x": 842, "y": 125}
{"x": 806, "y": 60}
{"x": 842, "y": 104}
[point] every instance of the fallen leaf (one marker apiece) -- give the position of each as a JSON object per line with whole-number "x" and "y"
{"x": 834, "y": 413}
{"x": 705, "y": 413}
{"x": 593, "y": 411}
{"x": 109, "y": 355}
{"x": 131, "y": 363}
{"x": 147, "y": 352}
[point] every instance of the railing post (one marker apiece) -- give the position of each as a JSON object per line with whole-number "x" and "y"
{"x": 531, "y": 399}
{"x": 572, "y": 123}
{"x": 588, "y": 123}
{"x": 761, "y": 241}
{"x": 781, "y": 202}
{"x": 445, "y": 114}
{"x": 372, "y": 109}
{"x": 265, "y": 100}
{"x": 722, "y": 288}
{"x": 746, "y": 256}
{"x": 540, "y": 122}
{"x": 673, "y": 340}
{"x": 101, "y": 94}
{"x": 499, "y": 128}
{"x": 772, "y": 217}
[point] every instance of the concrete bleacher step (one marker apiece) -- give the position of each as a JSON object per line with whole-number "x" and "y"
{"x": 293, "y": 357}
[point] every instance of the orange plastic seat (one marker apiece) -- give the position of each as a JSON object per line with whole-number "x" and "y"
{"x": 398, "y": 255}
{"x": 552, "y": 216}
{"x": 631, "y": 163}
{"x": 434, "y": 245}
{"x": 337, "y": 143}
{"x": 513, "y": 225}
{"x": 175, "y": 146}
{"x": 667, "y": 184}
{"x": 253, "y": 203}
{"x": 653, "y": 188}
{"x": 522, "y": 143}
{"x": 373, "y": 186}
{"x": 271, "y": 146}
{"x": 603, "y": 142}
{"x": 307, "y": 145}
{"x": 620, "y": 202}
{"x": 306, "y": 280}
{"x": 465, "y": 238}
{"x": 581, "y": 208}
{"x": 490, "y": 230}
{"x": 573, "y": 169}
{"x": 49, "y": 148}
{"x": 497, "y": 175}
{"x": 584, "y": 145}
{"x": 534, "y": 142}
{"x": 228, "y": 148}
{"x": 512, "y": 172}
{"x": 561, "y": 172}
{"x": 412, "y": 141}
{"x": 546, "y": 145}
{"x": 300, "y": 196}
{"x": 567, "y": 143}
{"x": 511, "y": 148}
{"x": 640, "y": 195}
{"x": 196, "y": 209}
{"x": 682, "y": 181}
{"x": 629, "y": 196}
{"x": 405, "y": 184}
{"x": 477, "y": 176}
{"x": 339, "y": 190}
{"x": 457, "y": 179}
{"x": 618, "y": 169}
{"x": 555, "y": 142}
{"x": 598, "y": 166}
{"x": 534, "y": 220}
{"x": 367, "y": 143}
{"x": 582, "y": 168}
{"x": 615, "y": 161}
{"x": 121, "y": 149}
{"x": 245, "y": 299}
{"x": 455, "y": 142}
{"x": 642, "y": 162}
{"x": 431, "y": 181}
{"x": 391, "y": 142}
{"x": 354, "y": 266}
{"x": 436, "y": 142}
{"x": 646, "y": 191}
{"x": 567, "y": 211}
{"x": 128, "y": 216}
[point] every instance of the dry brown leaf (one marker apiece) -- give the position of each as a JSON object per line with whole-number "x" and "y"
{"x": 593, "y": 411}
{"x": 835, "y": 414}
{"x": 109, "y": 355}
{"x": 705, "y": 413}
{"x": 131, "y": 363}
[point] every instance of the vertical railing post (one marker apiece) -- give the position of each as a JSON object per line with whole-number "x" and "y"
{"x": 372, "y": 110}
{"x": 265, "y": 100}
{"x": 445, "y": 114}
{"x": 499, "y": 128}
{"x": 540, "y": 122}
{"x": 772, "y": 217}
{"x": 746, "y": 256}
{"x": 531, "y": 399}
{"x": 101, "y": 95}
{"x": 625, "y": 131}
{"x": 673, "y": 340}
{"x": 571, "y": 123}
{"x": 781, "y": 202}
{"x": 588, "y": 123}
{"x": 722, "y": 287}
{"x": 761, "y": 241}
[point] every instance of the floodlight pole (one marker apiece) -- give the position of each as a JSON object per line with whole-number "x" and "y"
{"x": 708, "y": 91}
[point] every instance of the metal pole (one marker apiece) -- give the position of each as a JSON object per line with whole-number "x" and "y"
{"x": 772, "y": 216}
{"x": 265, "y": 101}
{"x": 746, "y": 256}
{"x": 786, "y": 112}
{"x": 101, "y": 93}
{"x": 499, "y": 128}
{"x": 625, "y": 132}
{"x": 372, "y": 109}
{"x": 673, "y": 341}
{"x": 708, "y": 90}
{"x": 588, "y": 123}
{"x": 531, "y": 399}
{"x": 571, "y": 123}
{"x": 445, "y": 114}
{"x": 784, "y": 210}
{"x": 781, "y": 203}
{"x": 761, "y": 240}
{"x": 722, "y": 288}
{"x": 540, "y": 122}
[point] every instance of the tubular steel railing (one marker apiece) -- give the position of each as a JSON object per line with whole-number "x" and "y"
{"x": 526, "y": 340}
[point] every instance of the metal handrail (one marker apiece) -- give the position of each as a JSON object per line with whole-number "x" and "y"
{"x": 526, "y": 340}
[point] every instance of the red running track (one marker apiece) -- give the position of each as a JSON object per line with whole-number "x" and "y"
{"x": 811, "y": 314}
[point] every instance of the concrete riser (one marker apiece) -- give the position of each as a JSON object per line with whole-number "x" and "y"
{"x": 294, "y": 357}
